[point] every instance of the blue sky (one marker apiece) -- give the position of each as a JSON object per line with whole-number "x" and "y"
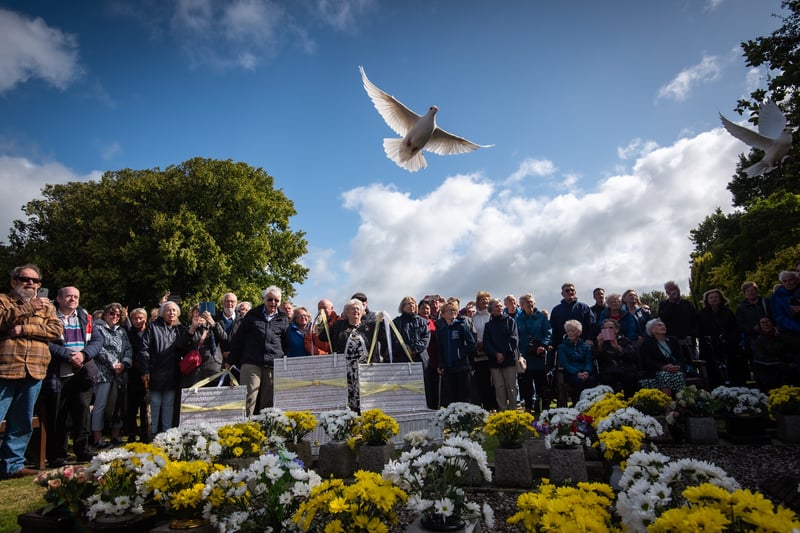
{"x": 608, "y": 147}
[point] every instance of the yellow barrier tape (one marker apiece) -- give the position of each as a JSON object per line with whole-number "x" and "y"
{"x": 292, "y": 383}
{"x": 367, "y": 389}
{"x": 209, "y": 379}
{"x": 189, "y": 408}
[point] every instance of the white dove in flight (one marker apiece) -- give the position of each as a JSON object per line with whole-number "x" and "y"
{"x": 418, "y": 132}
{"x": 774, "y": 137}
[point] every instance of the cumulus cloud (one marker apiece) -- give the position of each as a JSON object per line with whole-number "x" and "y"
{"x": 636, "y": 148}
{"x": 531, "y": 167}
{"x": 29, "y": 48}
{"x": 630, "y": 231}
{"x": 22, "y": 181}
{"x": 681, "y": 86}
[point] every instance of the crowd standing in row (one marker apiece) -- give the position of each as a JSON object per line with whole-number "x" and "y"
{"x": 122, "y": 364}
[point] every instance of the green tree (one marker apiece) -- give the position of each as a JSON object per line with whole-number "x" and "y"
{"x": 651, "y": 299}
{"x": 197, "y": 229}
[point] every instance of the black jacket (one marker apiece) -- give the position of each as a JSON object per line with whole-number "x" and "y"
{"x": 259, "y": 341}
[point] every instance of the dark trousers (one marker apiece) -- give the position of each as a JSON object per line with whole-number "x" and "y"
{"x": 455, "y": 387}
{"x": 533, "y": 390}
{"x": 72, "y": 403}
{"x": 136, "y": 408}
{"x": 482, "y": 390}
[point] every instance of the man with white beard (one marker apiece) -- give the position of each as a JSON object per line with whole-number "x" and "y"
{"x": 27, "y": 324}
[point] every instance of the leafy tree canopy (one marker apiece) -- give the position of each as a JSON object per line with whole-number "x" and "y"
{"x": 197, "y": 229}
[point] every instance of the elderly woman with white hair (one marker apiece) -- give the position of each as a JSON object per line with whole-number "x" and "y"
{"x": 351, "y": 335}
{"x": 575, "y": 358}
{"x": 661, "y": 359}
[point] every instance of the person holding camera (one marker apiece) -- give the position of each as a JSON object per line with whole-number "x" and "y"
{"x": 617, "y": 359}
{"x": 204, "y": 341}
{"x": 534, "y": 337}
{"x": 719, "y": 341}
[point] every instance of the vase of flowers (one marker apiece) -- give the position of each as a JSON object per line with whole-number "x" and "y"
{"x": 178, "y": 487}
{"x": 616, "y": 446}
{"x": 566, "y": 431}
{"x": 67, "y": 488}
{"x": 784, "y": 407}
{"x": 693, "y": 409}
{"x": 433, "y": 482}
{"x": 655, "y": 403}
{"x": 262, "y": 497}
{"x": 336, "y": 457}
{"x": 745, "y": 414}
{"x": 511, "y": 428}
{"x": 464, "y": 419}
{"x": 273, "y": 422}
{"x": 196, "y": 443}
{"x": 372, "y": 430}
{"x": 240, "y": 443}
{"x": 301, "y": 423}
{"x": 120, "y": 474}
{"x": 368, "y": 504}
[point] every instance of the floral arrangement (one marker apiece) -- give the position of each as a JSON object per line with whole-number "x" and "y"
{"x": 586, "y": 507}
{"x": 242, "y": 439}
{"x": 417, "y": 439}
{"x": 464, "y": 419}
{"x": 272, "y": 420}
{"x": 564, "y": 427}
{"x": 179, "y": 487}
{"x": 740, "y": 400}
{"x": 433, "y": 481}
{"x": 121, "y": 475}
{"x": 784, "y": 401}
{"x": 263, "y": 497}
{"x": 715, "y": 509}
{"x": 618, "y": 444}
{"x": 364, "y": 506}
{"x": 603, "y": 407}
{"x": 651, "y": 484}
{"x": 199, "y": 443}
{"x": 68, "y": 486}
{"x": 301, "y": 423}
{"x": 634, "y": 418}
{"x": 375, "y": 427}
{"x": 653, "y": 402}
{"x": 588, "y": 397}
{"x": 510, "y": 427}
{"x": 691, "y": 401}
{"x": 338, "y": 424}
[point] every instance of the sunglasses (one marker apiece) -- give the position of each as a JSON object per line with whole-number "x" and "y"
{"x": 27, "y": 279}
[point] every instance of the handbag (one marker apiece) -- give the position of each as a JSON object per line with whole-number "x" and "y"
{"x": 190, "y": 362}
{"x": 522, "y": 364}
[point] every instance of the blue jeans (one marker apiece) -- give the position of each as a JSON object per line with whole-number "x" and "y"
{"x": 17, "y": 400}
{"x": 162, "y": 407}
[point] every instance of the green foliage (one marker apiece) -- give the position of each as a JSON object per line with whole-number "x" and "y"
{"x": 651, "y": 300}
{"x": 198, "y": 229}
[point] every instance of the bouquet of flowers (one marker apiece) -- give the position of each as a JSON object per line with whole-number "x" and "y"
{"x": 720, "y": 510}
{"x": 179, "y": 486}
{"x": 199, "y": 443}
{"x": 604, "y": 406}
{"x": 631, "y": 417}
{"x": 618, "y": 444}
{"x": 272, "y": 420}
{"x": 510, "y": 427}
{"x": 367, "y": 505}
{"x": 338, "y": 424}
{"x": 263, "y": 497}
{"x": 784, "y": 401}
{"x": 740, "y": 400}
{"x": 586, "y": 507}
{"x": 565, "y": 427}
{"x": 375, "y": 427}
{"x": 68, "y": 486}
{"x": 691, "y": 401}
{"x": 651, "y": 402}
{"x": 121, "y": 475}
{"x": 433, "y": 481}
{"x": 301, "y": 423}
{"x": 589, "y": 397}
{"x": 464, "y": 419}
{"x": 417, "y": 439}
{"x": 243, "y": 439}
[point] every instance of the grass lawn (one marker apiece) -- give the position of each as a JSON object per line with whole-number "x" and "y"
{"x": 18, "y": 496}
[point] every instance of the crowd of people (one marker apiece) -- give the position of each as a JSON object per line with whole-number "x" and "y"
{"x": 116, "y": 373}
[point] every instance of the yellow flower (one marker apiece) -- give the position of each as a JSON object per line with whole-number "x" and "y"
{"x": 375, "y": 427}
{"x": 511, "y": 427}
{"x": 605, "y": 406}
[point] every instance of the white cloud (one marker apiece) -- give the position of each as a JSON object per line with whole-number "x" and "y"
{"x": 636, "y": 148}
{"x": 632, "y": 230}
{"x": 22, "y": 180}
{"x": 29, "y": 48}
{"x": 110, "y": 151}
{"x": 531, "y": 167}
{"x": 342, "y": 14}
{"x": 679, "y": 88}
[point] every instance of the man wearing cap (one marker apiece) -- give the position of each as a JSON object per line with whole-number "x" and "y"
{"x": 27, "y": 324}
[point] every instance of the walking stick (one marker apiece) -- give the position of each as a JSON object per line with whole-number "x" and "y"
{"x": 440, "y": 390}
{"x": 148, "y": 414}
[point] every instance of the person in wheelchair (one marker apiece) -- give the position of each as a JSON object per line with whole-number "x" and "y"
{"x": 576, "y": 360}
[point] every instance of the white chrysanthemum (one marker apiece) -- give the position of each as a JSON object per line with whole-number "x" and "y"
{"x": 443, "y": 507}
{"x": 629, "y": 416}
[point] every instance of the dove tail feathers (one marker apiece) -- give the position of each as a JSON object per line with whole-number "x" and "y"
{"x": 397, "y": 152}
{"x": 756, "y": 169}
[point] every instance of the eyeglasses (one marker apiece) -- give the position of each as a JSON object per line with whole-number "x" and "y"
{"x": 114, "y": 313}
{"x": 28, "y": 279}
{"x": 273, "y": 299}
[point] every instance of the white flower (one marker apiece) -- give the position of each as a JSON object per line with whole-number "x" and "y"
{"x": 741, "y": 400}
{"x": 634, "y": 418}
{"x": 443, "y": 507}
{"x": 591, "y": 396}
